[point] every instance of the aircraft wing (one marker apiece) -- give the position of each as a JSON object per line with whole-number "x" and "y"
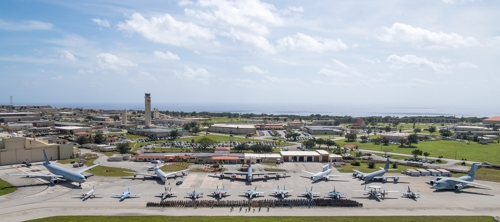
{"x": 85, "y": 169}
{"x": 359, "y": 172}
{"x": 382, "y": 177}
{"x": 37, "y": 175}
{"x": 308, "y": 172}
{"x": 236, "y": 172}
{"x": 134, "y": 195}
{"x": 176, "y": 172}
{"x": 257, "y": 193}
{"x": 467, "y": 182}
{"x": 146, "y": 174}
{"x": 116, "y": 195}
{"x": 262, "y": 173}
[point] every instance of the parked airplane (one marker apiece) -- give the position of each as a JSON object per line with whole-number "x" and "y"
{"x": 195, "y": 195}
{"x": 310, "y": 194}
{"x": 281, "y": 192}
{"x": 376, "y": 192}
{"x": 220, "y": 193}
{"x": 411, "y": 194}
{"x": 59, "y": 172}
{"x": 250, "y": 174}
{"x": 167, "y": 193}
{"x": 377, "y": 175}
{"x": 162, "y": 175}
{"x": 336, "y": 195}
{"x": 252, "y": 193}
{"x": 325, "y": 174}
{"x": 450, "y": 183}
{"x": 90, "y": 194}
{"x": 126, "y": 194}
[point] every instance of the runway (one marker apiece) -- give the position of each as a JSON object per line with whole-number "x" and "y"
{"x": 35, "y": 199}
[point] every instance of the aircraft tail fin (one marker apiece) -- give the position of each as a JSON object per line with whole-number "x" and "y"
{"x": 473, "y": 169}
{"x": 45, "y": 155}
{"x": 330, "y": 164}
{"x": 386, "y": 167}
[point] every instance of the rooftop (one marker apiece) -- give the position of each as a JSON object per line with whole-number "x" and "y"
{"x": 299, "y": 153}
{"x": 242, "y": 126}
{"x": 495, "y": 118}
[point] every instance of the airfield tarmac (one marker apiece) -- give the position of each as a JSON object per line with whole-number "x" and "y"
{"x": 35, "y": 199}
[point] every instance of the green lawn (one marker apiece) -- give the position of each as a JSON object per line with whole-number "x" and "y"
{"x": 110, "y": 171}
{"x": 446, "y": 148}
{"x": 175, "y": 167}
{"x": 6, "y": 188}
{"x": 266, "y": 219}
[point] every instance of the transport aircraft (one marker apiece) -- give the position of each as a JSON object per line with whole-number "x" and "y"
{"x": 162, "y": 175}
{"x": 377, "y": 175}
{"x": 376, "y": 192}
{"x": 59, "y": 172}
{"x": 324, "y": 174}
{"x": 450, "y": 183}
{"x": 250, "y": 174}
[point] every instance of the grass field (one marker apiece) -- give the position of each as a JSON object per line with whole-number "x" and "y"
{"x": 110, "y": 171}
{"x": 175, "y": 167}
{"x": 266, "y": 219}
{"x": 446, "y": 148}
{"x": 6, "y": 188}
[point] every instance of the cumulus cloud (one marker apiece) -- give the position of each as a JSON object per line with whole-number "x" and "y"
{"x": 259, "y": 42}
{"x": 165, "y": 29}
{"x": 108, "y": 61}
{"x": 166, "y": 56}
{"x": 194, "y": 74}
{"x": 24, "y": 25}
{"x": 331, "y": 73}
{"x": 339, "y": 63}
{"x": 275, "y": 79}
{"x": 400, "y": 61}
{"x": 102, "y": 23}
{"x": 68, "y": 56}
{"x": 451, "y": 2}
{"x": 185, "y": 2}
{"x": 302, "y": 42}
{"x": 254, "y": 69}
{"x": 422, "y": 38}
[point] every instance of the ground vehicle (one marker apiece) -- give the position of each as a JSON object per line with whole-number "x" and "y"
{"x": 178, "y": 182}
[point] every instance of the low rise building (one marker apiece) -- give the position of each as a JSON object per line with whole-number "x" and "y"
{"x": 495, "y": 120}
{"x": 232, "y": 128}
{"x": 14, "y": 149}
{"x": 333, "y": 130}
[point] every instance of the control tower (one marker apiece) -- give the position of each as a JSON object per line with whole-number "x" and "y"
{"x": 147, "y": 110}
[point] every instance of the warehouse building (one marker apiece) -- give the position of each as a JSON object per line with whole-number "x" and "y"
{"x": 331, "y": 130}
{"x": 308, "y": 156}
{"x": 232, "y": 128}
{"x": 14, "y": 149}
{"x": 18, "y": 117}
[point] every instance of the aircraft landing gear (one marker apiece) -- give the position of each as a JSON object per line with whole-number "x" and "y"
{"x": 79, "y": 185}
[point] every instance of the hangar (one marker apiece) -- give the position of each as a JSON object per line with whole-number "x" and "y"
{"x": 21, "y": 148}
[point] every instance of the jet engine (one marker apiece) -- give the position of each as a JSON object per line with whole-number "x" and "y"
{"x": 54, "y": 181}
{"x": 432, "y": 182}
{"x": 278, "y": 176}
{"x": 86, "y": 177}
{"x": 221, "y": 175}
{"x": 355, "y": 174}
{"x": 184, "y": 174}
{"x": 384, "y": 179}
{"x": 266, "y": 176}
{"x": 396, "y": 179}
{"x": 459, "y": 186}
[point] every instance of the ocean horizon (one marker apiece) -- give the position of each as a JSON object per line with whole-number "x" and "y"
{"x": 355, "y": 110}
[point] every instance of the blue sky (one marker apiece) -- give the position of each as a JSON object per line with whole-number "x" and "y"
{"x": 345, "y": 52}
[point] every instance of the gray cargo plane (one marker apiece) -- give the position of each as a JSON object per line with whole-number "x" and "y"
{"x": 161, "y": 175}
{"x": 250, "y": 174}
{"x": 324, "y": 174}
{"x": 377, "y": 175}
{"x": 59, "y": 172}
{"x": 450, "y": 183}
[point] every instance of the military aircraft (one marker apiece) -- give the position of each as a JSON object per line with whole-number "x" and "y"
{"x": 219, "y": 193}
{"x": 310, "y": 194}
{"x": 252, "y": 193}
{"x": 250, "y": 174}
{"x": 162, "y": 175}
{"x": 167, "y": 193}
{"x": 126, "y": 194}
{"x": 410, "y": 194}
{"x": 336, "y": 195}
{"x": 281, "y": 192}
{"x": 59, "y": 172}
{"x": 325, "y": 174}
{"x": 195, "y": 195}
{"x": 90, "y": 194}
{"x": 377, "y": 175}
{"x": 376, "y": 192}
{"x": 450, "y": 183}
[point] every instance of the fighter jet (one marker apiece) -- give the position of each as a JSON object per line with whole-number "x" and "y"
{"x": 250, "y": 174}
{"x": 325, "y": 174}
{"x": 90, "y": 194}
{"x": 310, "y": 194}
{"x": 282, "y": 193}
{"x": 377, "y": 175}
{"x": 219, "y": 193}
{"x": 126, "y": 194}
{"x": 162, "y": 175}
{"x": 167, "y": 193}
{"x": 195, "y": 195}
{"x": 410, "y": 194}
{"x": 59, "y": 172}
{"x": 252, "y": 193}
{"x": 336, "y": 195}
{"x": 450, "y": 183}
{"x": 376, "y": 192}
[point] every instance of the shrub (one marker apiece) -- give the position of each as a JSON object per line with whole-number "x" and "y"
{"x": 356, "y": 163}
{"x": 395, "y": 165}
{"x": 371, "y": 165}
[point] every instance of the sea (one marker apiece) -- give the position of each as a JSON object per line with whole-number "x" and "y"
{"x": 354, "y": 110}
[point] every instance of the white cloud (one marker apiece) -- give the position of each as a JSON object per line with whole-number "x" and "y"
{"x": 58, "y": 77}
{"x": 105, "y": 61}
{"x": 166, "y": 56}
{"x": 422, "y": 38}
{"x": 275, "y": 79}
{"x": 185, "y": 2}
{"x": 302, "y": 42}
{"x": 68, "y": 56}
{"x": 102, "y": 23}
{"x": 246, "y": 21}
{"x": 24, "y": 25}
{"x": 466, "y": 65}
{"x": 339, "y": 63}
{"x": 451, "y": 2}
{"x": 371, "y": 61}
{"x": 331, "y": 73}
{"x": 295, "y": 9}
{"x": 254, "y": 69}
{"x": 146, "y": 76}
{"x": 399, "y": 61}
{"x": 191, "y": 74}
{"x": 165, "y": 29}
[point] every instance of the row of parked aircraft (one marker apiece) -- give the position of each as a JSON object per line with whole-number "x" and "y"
{"x": 439, "y": 183}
